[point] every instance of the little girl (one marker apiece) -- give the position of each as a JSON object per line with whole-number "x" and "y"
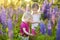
{"x": 24, "y": 27}
{"x": 35, "y": 16}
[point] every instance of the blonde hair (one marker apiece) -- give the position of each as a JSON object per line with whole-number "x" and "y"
{"x": 26, "y": 15}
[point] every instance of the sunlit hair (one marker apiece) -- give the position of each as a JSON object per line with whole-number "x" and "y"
{"x": 26, "y": 15}
{"x": 35, "y": 5}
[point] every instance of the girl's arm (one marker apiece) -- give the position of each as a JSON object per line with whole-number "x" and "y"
{"x": 31, "y": 21}
{"x": 34, "y": 22}
{"x": 26, "y": 32}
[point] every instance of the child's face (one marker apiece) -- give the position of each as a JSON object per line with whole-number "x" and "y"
{"x": 35, "y": 9}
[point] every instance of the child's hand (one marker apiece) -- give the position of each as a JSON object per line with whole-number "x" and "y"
{"x": 31, "y": 35}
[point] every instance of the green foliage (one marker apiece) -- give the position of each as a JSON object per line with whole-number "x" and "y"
{"x": 39, "y": 36}
{"x": 35, "y": 0}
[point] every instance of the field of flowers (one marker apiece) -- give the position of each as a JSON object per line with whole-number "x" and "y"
{"x": 16, "y": 33}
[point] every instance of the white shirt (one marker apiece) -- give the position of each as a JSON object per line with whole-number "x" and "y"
{"x": 36, "y": 18}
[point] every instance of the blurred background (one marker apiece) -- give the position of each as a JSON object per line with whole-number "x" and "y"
{"x": 16, "y": 4}
{"x": 22, "y": 3}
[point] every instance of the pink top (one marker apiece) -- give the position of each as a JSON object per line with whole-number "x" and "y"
{"x": 33, "y": 32}
{"x": 24, "y": 25}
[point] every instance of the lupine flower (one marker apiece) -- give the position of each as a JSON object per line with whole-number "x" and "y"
{"x": 53, "y": 19}
{"x": 20, "y": 10}
{"x": 56, "y": 8}
{"x": 1, "y": 32}
{"x": 58, "y": 30}
{"x": 3, "y": 18}
{"x": 3, "y": 15}
{"x": 49, "y": 28}
{"x": 10, "y": 26}
{"x": 42, "y": 28}
{"x": 9, "y": 23}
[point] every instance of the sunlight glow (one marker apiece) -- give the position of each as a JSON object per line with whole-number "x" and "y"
{"x": 27, "y": 0}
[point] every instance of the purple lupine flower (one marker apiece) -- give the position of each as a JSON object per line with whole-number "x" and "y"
{"x": 54, "y": 12}
{"x": 43, "y": 6}
{"x": 53, "y": 18}
{"x": 20, "y": 11}
{"x": 49, "y": 28}
{"x": 46, "y": 10}
{"x": 46, "y": 5}
{"x": 11, "y": 11}
{"x": 3, "y": 15}
{"x": 58, "y": 23}
{"x": 0, "y": 15}
{"x": 1, "y": 32}
{"x": 0, "y": 21}
{"x": 3, "y": 19}
{"x": 42, "y": 28}
{"x": 56, "y": 8}
{"x": 9, "y": 23}
{"x": 58, "y": 30}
